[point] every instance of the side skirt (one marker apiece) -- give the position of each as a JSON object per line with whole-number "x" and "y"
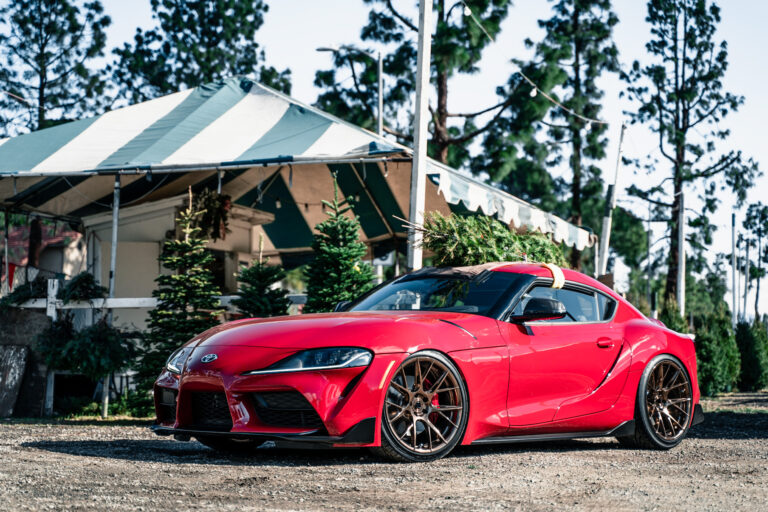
{"x": 624, "y": 429}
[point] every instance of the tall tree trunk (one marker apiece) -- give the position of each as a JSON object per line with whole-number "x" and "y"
{"x": 440, "y": 136}
{"x": 576, "y": 214}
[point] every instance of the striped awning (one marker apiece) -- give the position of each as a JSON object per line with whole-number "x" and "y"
{"x": 265, "y": 149}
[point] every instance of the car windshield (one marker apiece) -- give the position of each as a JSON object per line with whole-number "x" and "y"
{"x": 478, "y": 295}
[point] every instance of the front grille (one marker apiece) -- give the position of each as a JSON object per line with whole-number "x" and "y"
{"x": 166, "y": 405}
{"x": 286, "y": 409}
{"x": 210, "y": 410}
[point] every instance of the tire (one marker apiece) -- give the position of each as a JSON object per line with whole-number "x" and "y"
{"x": 230, "y": 446}
{"x": 426, "y": 409}
{"x": 663, "y": 407}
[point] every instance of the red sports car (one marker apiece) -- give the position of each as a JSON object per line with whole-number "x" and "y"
{"x": 496, "y": 353}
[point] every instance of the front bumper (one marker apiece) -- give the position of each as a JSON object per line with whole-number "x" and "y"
{"x": 362, "y": 433}
{"x": 345, "y": 403}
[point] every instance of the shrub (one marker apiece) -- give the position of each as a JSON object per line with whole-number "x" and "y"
{"x": 458, "y": 240}
{"x": 752, "y": 340}
{"x": 718, "y": 356}
{"x": 95, "y": 352}
{"x": 670, "y": 316}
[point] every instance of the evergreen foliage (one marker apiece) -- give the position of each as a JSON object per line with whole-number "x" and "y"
{"x": 756, "y": 223}
{"x": 459, "y": 240}
{"x": 752, "y": 340}
{"x": 47, "y": 46}
{"x": 337, "y": 272}
{"x": 457, "y": 46}
{"x": 680, "y": 96}
{"x": 717, "y": 354}
{"x": 670, "y": 316}
{"x": 257, "y": 297}
{"x": 82, "y": 287}
{"x": 577, "y": 49}
{"x": 213, "y": 220}
{"x": 195, "y": 42}
{"x": 95, "y": 351}
{"x": 187, "y": 302}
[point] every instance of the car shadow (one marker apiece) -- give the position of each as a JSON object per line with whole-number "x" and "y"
{"x": 725, "y": 425}
{"x": 732, "y": 425}
{"x": 170, "y": 451}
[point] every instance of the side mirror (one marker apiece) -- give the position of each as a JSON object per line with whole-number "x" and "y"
{"x": 342, "y": 306}
{"x": 540, "y": 308}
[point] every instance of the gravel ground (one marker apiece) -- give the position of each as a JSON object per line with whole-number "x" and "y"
{"x": 73, "y": 465}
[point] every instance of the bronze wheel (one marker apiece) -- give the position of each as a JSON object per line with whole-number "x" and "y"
{"x": 425, "y": 409}
{"x": 664, "y": 405}
{"x": 668, "y": 400}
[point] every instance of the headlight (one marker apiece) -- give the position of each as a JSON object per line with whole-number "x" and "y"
{"x": 176, "y": 362}
{"x": 320, "y": 359}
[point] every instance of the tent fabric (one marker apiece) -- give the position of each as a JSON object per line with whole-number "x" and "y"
{"x": 246, "y": 133}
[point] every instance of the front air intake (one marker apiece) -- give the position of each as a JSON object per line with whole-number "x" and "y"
{"x": 286, "y": 409}
{"x": 210, "y": 411}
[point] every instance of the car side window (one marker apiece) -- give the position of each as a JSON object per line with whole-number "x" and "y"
{"x": 579, "y": 306}
{"x": 605, "y": 306}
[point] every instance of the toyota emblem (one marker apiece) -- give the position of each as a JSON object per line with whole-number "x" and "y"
{"x": 209, "y": 358}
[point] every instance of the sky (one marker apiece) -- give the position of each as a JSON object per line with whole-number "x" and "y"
{"x": 293, "y": 29}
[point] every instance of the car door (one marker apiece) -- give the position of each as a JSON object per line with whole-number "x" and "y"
{"x": 560, "y": 361}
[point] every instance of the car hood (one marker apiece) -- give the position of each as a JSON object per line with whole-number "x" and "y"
{"x": 381, "y": 332}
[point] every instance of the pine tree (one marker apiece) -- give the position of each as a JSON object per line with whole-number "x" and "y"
{"x": 459, "y": 240}
{"x": 752, "y": 340}
{"x": 187, "y": 302}
{"x": 45, "y": 50}
{"x": 196, "y": 42}
{"x": 757, "y": 223}
{"x": 680, "y": 96}
{"x": 457, "y": 46}
{"x": 258, "y": 299}
{"x": 337, "y": 272}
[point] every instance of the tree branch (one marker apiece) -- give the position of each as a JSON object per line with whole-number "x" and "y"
{"x": 475, "y": 133}
{"x": 405, "y": 21}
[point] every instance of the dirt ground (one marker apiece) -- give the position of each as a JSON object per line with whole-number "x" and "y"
{"x": 74, "y": 465}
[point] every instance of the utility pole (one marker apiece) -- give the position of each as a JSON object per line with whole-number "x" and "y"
{"x": 421, "y": 117}
{"x": 733, "y": 270}
{"x": 610, "y": 204}
{"x": 681, "y": 256}
{"x": 746, "y": 279}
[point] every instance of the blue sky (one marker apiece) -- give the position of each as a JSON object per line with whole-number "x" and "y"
{"x": 294, "y": 28}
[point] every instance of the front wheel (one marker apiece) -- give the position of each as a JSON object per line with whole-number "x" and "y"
{"x": 663, "y": 407}
{"x": 426, "y": 409}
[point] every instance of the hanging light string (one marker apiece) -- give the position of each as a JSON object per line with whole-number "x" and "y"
{"x": 536, "y": 89}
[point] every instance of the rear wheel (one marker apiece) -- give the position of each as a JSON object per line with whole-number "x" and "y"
{"x": 425, "y": 409}
{"x": 663, "y": 407}
{"x": 232, "y": 446}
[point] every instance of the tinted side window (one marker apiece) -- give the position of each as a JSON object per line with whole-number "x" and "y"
{"x": 580, "y": 306}
{"x": 606, "y": 306}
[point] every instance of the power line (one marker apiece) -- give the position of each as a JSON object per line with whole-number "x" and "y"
{"x": 536, "y": 89}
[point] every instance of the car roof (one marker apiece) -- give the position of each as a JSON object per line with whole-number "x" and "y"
{"x": 539, "y": 270}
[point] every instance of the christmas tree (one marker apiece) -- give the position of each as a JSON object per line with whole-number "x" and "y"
{"x": 187, "y": 303}
{"x": 257, "y": 297}
{"x": 337, "y": 273}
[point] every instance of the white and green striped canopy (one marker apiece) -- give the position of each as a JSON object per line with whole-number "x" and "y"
{"x": 267, "y": 151}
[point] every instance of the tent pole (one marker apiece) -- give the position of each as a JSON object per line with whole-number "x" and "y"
{"x": 5, "y": 259}
{"x": 111, "y": 295}
{"x": 419, "y": 164}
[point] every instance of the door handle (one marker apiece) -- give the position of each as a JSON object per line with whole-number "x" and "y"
{"x": 605, "y": 342}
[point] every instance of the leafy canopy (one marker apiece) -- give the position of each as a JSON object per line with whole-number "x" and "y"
{"x": 46, "y": 47}
{"x": 195, "y": 42}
